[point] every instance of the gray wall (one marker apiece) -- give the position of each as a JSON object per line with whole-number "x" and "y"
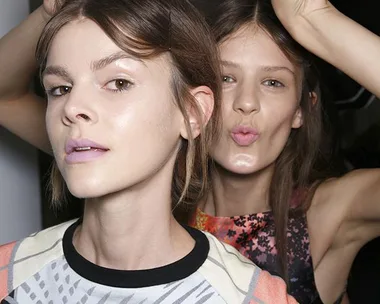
{"x": 20, "y": 204}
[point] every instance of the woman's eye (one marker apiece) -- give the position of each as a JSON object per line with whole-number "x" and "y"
{"x": 273, "y": 83}
{"x": 227, "y": 79}
{"x": 118, "y": 85}
{"x": 58, "y": 91}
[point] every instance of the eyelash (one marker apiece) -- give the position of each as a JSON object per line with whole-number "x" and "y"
{"x": 127, "y": 83}
{"x": 50, "y": 92}
{"x": 277, "y": 85}
{"x": 229, "y": 77}
{"x": 118, "y": 90}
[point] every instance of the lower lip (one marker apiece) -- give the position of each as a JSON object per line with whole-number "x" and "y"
{"x": 84, "y": 156}
{"x": 244, "y": 139}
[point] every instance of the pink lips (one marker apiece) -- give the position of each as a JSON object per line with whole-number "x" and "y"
{"x": 83, "y": 150}
{"x": 244, "y": 136}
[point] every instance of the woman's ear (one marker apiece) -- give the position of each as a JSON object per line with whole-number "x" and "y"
{"x": 313, "y": 98}
{"x": 297, "y": 118}
{"x": 199, "y": 112}
{"x": 298, "y": 115}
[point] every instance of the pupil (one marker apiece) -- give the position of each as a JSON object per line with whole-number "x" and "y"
{"x": 120, "y": 83}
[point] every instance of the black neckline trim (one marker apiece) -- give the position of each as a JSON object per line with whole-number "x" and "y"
{"x": 137, "y": 278}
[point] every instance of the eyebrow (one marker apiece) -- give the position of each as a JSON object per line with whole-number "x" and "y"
{"x": 228, "y": 63}
{"x": 56, "y": 70}
{"x": 95, "y": 65}
{"x": 102, "y": 63}
{"x": 266, "y": 68}
{"x": 277, "y": 68}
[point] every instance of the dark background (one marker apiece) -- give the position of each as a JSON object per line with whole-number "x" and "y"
{"x": 355, "y": 118}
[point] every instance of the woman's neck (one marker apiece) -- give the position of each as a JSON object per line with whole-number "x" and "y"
{"x": 132, "y": 230}
{"x": 237, "y": 194}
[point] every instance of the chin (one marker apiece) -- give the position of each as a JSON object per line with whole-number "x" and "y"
{"x": 241, "y": 164}
{"x": 244, "y": 170}
{"x": 86, "y": 185}
{"x": 240, "y": 170}
{"x": 95, "y": 187}
{"x": 85, "y": 182}
{"x": 242, "y": 167}
{"x": 86, "y": 190}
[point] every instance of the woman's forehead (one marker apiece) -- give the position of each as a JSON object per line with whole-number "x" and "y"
{"x": 253, "y": 45}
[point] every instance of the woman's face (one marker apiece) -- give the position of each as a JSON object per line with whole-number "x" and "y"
{"x": 260, "y": 101}
{"x": 111, "y": 117}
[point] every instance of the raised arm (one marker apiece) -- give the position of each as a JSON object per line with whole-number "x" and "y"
{"x": 21, "y": 111}
{"x": 332, "y": 36}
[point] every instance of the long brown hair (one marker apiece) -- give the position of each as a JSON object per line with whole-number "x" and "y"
{"x": 296, "y": 166}
{"x": 145, "y": 29}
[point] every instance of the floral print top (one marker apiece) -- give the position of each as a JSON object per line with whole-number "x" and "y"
{"x": 254, "y": 236}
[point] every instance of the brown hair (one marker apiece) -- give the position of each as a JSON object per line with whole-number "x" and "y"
{"x": 295, "y": 168}
{"x": 145, "y": 29}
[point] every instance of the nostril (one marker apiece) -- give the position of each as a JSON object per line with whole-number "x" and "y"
{"x": 84, "y": 116}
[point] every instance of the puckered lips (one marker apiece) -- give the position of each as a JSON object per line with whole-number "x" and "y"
{"x": 244, "y": 135}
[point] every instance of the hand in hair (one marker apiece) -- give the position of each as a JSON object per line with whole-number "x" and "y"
{"x": 51, "y": 7}
{"x": 286, "y": 10}
{"x": 319, "y": 27}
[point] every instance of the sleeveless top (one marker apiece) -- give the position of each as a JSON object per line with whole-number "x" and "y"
{"x": 254, "y": 236}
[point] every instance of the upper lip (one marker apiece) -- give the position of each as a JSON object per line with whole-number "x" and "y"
{"x": 244, "y": 130}
{"x": 72, "y": 144}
